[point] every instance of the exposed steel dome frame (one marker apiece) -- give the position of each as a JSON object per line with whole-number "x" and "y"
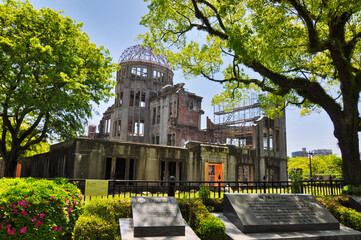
{"x": 139, "y": 53}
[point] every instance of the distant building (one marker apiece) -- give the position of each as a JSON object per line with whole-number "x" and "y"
{"x": 322, "y": 152}
{"x": 302, "y": 153}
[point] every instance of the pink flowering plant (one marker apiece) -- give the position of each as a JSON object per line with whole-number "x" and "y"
{"x": 38, "y": 209}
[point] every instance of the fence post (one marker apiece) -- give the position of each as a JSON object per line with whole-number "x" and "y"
{"x": 264, "y": 183}
{"x": 219, "y": 186}
{"x": 331, "y": 186}
{"x": 171, "y": 188}
{"x": 113, "y": 185}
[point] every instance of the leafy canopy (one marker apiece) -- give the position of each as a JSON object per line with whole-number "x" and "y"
{"x": 287, "y": 42}
{"x": 50, "y": 75}
{"x": 300, "y": 52}
{"x": 321, "y": 165}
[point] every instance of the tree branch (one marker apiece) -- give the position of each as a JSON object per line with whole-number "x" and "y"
{"x": 208, "y": 27}
{"x": 315, "y": 43}
{"x": 219, "y": 19}
{"x": 41, "y": 137}
{"x": 350, "y": 45}
{"x": 312, "y": 91}
{"x": 32, "y": 128}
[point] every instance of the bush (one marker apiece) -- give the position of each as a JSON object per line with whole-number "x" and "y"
{"x": 204, "y": 192}
{"x": 296, "y": 178}
{"x": 212, "y": 228}
{"x": 214, "y": 204}
{"x": 38, "y": 209}
{"x": 337, "y": 206}
{"x": 95, "y": 227}
{"x": 351, "y": 190}
{"x": 107, "y": 211}
{"x": 204, "y": 224}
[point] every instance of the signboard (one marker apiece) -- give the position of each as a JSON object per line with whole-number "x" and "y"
{"x": 96, "y": 187}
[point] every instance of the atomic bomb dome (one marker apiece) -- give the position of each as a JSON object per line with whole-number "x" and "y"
{"x": 139, "y": 53}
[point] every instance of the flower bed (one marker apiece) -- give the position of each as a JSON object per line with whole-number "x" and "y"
{"x": 38, "y": 209}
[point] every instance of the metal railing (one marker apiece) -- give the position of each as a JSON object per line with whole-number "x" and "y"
{"x": 190, "y": 189}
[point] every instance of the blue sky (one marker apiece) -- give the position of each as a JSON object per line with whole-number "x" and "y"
{"x": 115, "y": 25}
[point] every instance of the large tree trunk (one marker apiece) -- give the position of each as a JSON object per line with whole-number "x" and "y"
{"x": 10, "y": 167}
{"x": 347, "y": 135}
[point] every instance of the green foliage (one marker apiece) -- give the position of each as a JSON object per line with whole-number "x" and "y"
{"x": 286, "y": 51}
{"x": 51, "y": 75}
{"x": 204, "y": 192}
{"x": 214, "y": 204}
{"x": 95, "y": 227}
{"x": 296, "y": 178}
{"x": 271, "y": 38}
{"x": 212, "y": 228}
{"x": 204, "y": 224}
{"x": 100, "y": 219}
{"x": 337, "y": 207}
{"x": 38, "y": 209}
{"x": 351, "y": 190}
{"x": 321, "y": 165}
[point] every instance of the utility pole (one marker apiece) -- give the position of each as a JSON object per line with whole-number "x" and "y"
{"x": 310, "y": 154}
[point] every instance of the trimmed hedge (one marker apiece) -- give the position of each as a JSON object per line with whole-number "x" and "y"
{"x": 338, "y": 207}
{"x": 100, "y": 219}
{"x": 38, "y": 209}
{"x": 95, "y": 227}
{"x": 204, "y": 224}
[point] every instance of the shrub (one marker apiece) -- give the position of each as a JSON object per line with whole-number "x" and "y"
{"x": 214, "y": 204}
{"x": 296, "y": 178}
{"x": 38, "y": 209}
{"x": 337, "y": 207}
{"x": 107, "y": 211}
{"x": 95, "y": 227}
{"x": 204, "y": 192}
{"x": 351, "y": 190}
{"x": 212, "y": 228}
{"x": 113, "y": 207}
{"x": 204, "y": 224}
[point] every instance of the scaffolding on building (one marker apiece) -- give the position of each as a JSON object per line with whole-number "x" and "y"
{"x": 235, "y": 126}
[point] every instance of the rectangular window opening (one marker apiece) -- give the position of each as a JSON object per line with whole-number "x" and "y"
{"x": 145, "y": 73}
{"x": 120, "y": 99}
{"x": 142, "y": 99}
{"x": 158, "y": 115}
{"x": 133, "y": 72}
{"x": 154, "y": 115}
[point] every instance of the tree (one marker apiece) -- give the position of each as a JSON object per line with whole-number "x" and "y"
{"x": 50, "y": 74}
{"x": 321, "y": 165}
{"x": 41, "y": 147}
{"x": 304, "y": 53}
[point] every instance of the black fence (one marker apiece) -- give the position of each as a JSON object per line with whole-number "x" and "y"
{"x": 192, "y": 189}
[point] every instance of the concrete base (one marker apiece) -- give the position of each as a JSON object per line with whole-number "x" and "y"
{"x": 127, "y": 232}
{"x": 344, "y": 233}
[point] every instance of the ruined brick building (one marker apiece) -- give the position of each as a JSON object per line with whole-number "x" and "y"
{"x": 153, "y": 131}
{"x": 148, "y": 107}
